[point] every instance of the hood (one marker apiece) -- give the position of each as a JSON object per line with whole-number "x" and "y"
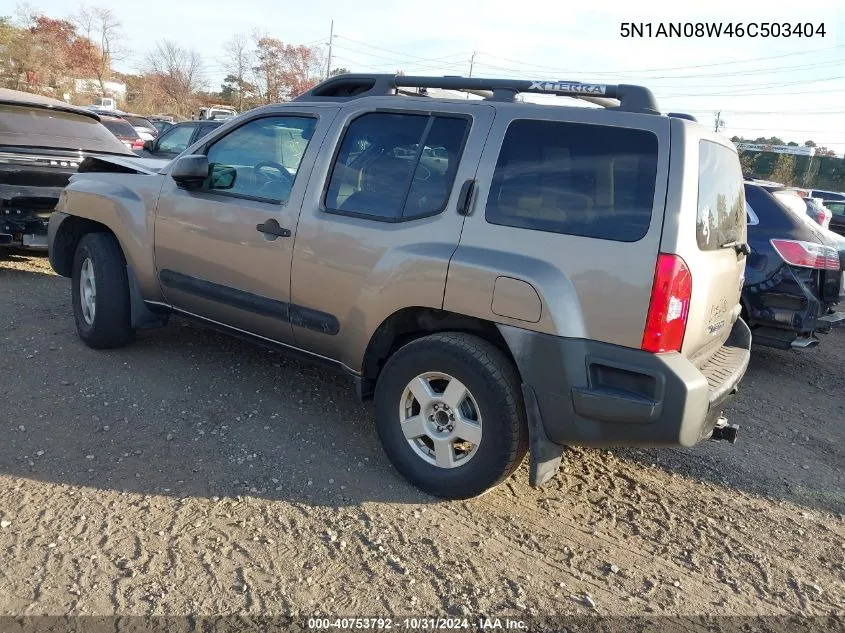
{"x": 125, "y": 164}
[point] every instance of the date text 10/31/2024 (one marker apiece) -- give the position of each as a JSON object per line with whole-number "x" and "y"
{"x": 417, "y": 624}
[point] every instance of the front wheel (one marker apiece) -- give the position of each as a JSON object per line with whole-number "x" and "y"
{"x": 101, "y": 292}
{"x": 450, "y": 415}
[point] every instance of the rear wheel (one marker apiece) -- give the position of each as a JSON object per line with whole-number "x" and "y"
{"x": 450, "y": 415}
{"x": 101, "y": 292}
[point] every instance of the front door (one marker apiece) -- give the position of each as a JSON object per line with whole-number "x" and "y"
{"x": 381, "y": 220}
{"x": 223, "y": 249}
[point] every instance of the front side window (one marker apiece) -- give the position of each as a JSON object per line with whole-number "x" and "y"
{"x": 260, "y": 159}
{"x": 577, "y": 179}
{"x": 386, "y": 167}
{"x": 175, "y": 140}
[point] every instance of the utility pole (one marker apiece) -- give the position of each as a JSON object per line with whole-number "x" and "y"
{"x": 720, "y": 122}
{"x": 329, "y": 63}
{"x": 471, "y": 64}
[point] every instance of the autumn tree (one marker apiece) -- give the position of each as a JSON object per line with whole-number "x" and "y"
{"x": 283, "y": 71}
{"x": 177, "y": 72}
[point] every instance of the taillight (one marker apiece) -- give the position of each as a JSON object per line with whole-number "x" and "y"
{"x": 138, "y": 143}
{"x": 807, "y": 254}
{"x": 669, "y": 307}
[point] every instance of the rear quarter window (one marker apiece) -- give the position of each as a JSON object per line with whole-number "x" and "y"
{"x": 721, "y": 197}
{"x": 577, "y": 179}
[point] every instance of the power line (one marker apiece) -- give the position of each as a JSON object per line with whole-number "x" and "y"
{"x": 650, "y": 70}
{"x": 387, "y": 50}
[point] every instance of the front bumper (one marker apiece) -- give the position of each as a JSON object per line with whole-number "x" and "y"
{"x": 586, "y": 393}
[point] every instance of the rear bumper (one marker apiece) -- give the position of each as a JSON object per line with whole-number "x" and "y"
{"x": 587, "y": 393}
{"x": 791, "y": 305}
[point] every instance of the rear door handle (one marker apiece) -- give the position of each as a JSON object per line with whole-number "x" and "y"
{"x": 271, "y": 228}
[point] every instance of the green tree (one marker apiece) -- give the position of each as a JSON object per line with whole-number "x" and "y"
{"x": 784, "y": 171}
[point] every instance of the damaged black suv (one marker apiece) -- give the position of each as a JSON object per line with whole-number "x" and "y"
{"x": 43, "y": 141}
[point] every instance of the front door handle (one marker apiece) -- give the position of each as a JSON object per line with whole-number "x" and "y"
{"x": 272, "y": 230}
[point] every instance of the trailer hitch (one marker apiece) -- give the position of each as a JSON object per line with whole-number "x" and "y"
{"x": 724, "y": 431}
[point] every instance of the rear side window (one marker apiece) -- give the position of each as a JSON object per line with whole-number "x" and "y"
{"x": 721, "y": 197}
{"x": 395, "y": 166}
{"x": 588, "y": 180}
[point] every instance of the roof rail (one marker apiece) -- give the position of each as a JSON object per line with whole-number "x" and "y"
{"x": 682, "y": 115}
{"x": 352, "y": 86}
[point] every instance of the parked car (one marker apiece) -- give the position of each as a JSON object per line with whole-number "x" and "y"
{"x": 828, "y": 195}
{"x": 161, "y": 124}
{"x": 217, "y": 112}
{"x": 563, "y": 276}
{"x": 798, "y": 200}
{"x": 175, "y": 139}
{"x": 818, "y": 211}
{"x": 123, "y": 130}
{"x": 42, "y": 142}
{"x": 144, "y": 128}
{"x": 793, "y": 276}
{"x": 837, "y": 215}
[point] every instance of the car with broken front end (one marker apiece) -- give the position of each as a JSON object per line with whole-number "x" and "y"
{"x": 42, "y": 143}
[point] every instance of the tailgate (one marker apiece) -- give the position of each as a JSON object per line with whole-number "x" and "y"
{"x": 714, "y": 244}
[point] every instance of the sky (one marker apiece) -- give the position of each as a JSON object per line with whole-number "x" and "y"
{"x": 792, "y": 87}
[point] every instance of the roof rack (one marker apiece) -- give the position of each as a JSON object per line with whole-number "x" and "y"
{"x": 353, "y": 86}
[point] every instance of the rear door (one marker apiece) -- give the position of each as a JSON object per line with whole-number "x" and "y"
{"x": 712, "y": 240}
{"x": 565, "y": 228}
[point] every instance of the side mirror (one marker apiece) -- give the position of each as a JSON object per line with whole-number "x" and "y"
{"x": 222, "y": 176}
{"x": 190, "y": 171}
{"x": 149, "y": 145}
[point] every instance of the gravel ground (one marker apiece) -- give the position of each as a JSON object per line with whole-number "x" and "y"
{"x": 195, "y": 473}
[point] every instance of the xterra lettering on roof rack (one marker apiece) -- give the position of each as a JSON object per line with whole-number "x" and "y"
{"x": 550, "y": 86}
{"x": 354, "y": 86}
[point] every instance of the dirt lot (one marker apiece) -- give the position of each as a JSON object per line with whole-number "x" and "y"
{"x": 194, "y": 473}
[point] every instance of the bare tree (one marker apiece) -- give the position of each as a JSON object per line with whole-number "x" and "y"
{"x": 102, "y": 28}
{"x": 240, "y": 60}
{"x": 177, "y": 70}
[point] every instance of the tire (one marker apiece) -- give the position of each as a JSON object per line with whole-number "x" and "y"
{"x": 109, "y": 326}
{"x": 493, "y": 404}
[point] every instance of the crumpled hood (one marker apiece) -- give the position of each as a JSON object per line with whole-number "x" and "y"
{"x": 127, "y": 164}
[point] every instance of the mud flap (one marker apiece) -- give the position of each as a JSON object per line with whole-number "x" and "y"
{"x": 141, "y": 317}
{"x": 544, "y": 455}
